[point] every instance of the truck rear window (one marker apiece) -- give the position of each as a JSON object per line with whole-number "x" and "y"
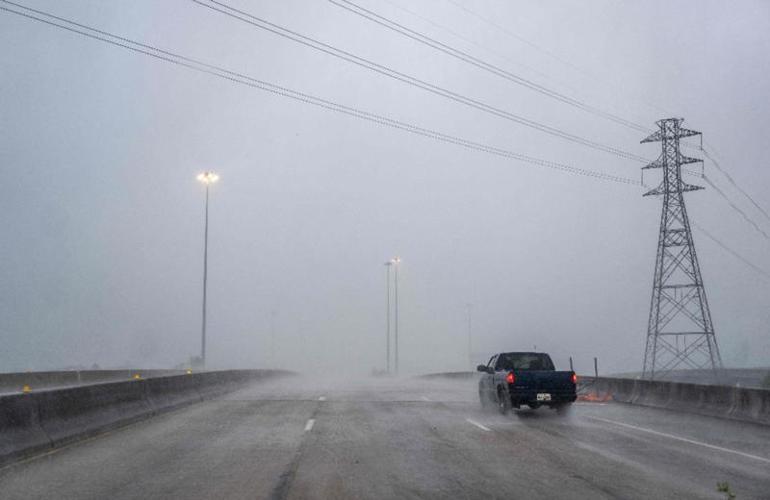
{"x": 524, "y": 361}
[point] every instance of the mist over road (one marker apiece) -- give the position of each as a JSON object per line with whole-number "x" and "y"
{"x": 310, "y": 437}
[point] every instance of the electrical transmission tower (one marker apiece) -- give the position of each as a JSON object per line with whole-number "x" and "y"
{"x": 680, "y": 333}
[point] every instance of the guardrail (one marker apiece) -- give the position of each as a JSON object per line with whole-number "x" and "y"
{"x": 37, "y": 421}
{"x": 737, "y": 403}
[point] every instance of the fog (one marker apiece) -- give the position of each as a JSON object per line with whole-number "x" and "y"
{"x": 102, "y": 244}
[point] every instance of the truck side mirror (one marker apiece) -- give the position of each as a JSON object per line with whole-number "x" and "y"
{"x": 481, "y": 368}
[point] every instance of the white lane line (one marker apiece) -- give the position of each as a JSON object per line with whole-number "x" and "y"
{"x": 482, "y": 427}
{"x": 322, "y": 398}
{"x": 425, "y": 398}
{"x": 309, "y": 424}
{"x": 684, "y": 440}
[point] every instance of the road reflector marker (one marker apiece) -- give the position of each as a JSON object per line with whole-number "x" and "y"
{"x": 137, "y": 377}
{"x": 26, "y": 389}
{"x": 309, "y": 424}
{"x": 482, "y": 427}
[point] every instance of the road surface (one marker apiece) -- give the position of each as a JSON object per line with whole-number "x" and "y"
{"x": 302, "y": 437}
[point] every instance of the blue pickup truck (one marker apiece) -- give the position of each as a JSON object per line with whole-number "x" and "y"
{"x": 513, "y": 379}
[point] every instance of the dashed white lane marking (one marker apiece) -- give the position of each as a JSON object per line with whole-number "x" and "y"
{"x": 482, "y": 427}
{"x": 309, "y": 424}
{"x": 322, "y": 398}
{"x": 590, "y": 404}
{"x": 684, "y": 440}
{"x": 425, "y": 398}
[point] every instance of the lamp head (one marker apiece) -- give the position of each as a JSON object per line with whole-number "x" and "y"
{"x": 208, "y": 177}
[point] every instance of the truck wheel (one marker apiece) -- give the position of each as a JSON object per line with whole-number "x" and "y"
{"x": 563, "y": 409}
{"x": 503, "y": 401}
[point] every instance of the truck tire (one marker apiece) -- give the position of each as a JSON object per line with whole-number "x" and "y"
{"x": 563, "y": 409}
{"x": 503, "y": 401}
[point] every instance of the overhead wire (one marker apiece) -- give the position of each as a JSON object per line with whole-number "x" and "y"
{"x": 240, "y": 78}
{"x": 735, "y": 207}
{"x": 730, "y": 250}
{"x": 552, "y": 55}
{"x": 573, "y": 66}
{"x": 735, "y": 184}
{"x": 471, "y": 41}
{"x": 235, "y": 77}
{"x": 313, "y": 43}
{"x": 387, "y": 71}
{"x": 479, "y": 63}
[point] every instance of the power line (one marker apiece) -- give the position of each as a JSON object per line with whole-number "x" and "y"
{"x": 731, "y": 251}
{"x": 463, "y": 56}
{"x": 408, "y": 79}
{"x": 700, "y": 147}
{"x": 735, "y": 207}
{"x": 235, "y": 77}
{"x": 732, "y": 181}
{"x": 240, "y": 78}
{"x": 516, "y": 36}
{"x": 466, "y": 39}
{"x": 548, "y": 53}
{"x": 710, "y": 157}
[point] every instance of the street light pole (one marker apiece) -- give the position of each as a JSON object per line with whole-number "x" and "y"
{"x": 206, "y": 178}
{"x": 470, "y": 350}
{"x": 396, "y": 262}
{"x": 387, "y": 317}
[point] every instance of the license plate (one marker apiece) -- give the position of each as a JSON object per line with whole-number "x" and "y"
{"x": 543, "y": 396}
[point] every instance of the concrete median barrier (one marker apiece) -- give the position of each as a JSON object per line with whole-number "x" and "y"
{"x": 165, "y": 393}
{"x": 77, "y": 412}
{"x": 751, "y": 404}
{"x": 738, "y": 403}
{"x": 30, "y": 423}
{"x": 11, "y": 383}
{"x": 20, "y": 430}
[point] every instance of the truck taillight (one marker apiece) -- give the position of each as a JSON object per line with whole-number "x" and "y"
{"x": 574, "y": 378}
{"x": 510, "y": 378}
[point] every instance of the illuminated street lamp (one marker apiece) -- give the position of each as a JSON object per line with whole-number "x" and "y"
{"x": 207, "y": 178}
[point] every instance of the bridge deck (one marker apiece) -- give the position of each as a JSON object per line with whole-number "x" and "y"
{"x": 300, "y": 438}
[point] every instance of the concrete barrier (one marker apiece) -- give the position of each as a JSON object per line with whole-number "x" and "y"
{"x": 20, "y": 430}
{"x": 11, "y": 383}
{"x": 738, "y": 403}
{"x": 78, "y": 412}
{"x": 165, "y": 393}
{"x": 30, "y": 423}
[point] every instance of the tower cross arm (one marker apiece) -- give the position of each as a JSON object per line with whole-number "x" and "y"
{"x": 654, "y": 137}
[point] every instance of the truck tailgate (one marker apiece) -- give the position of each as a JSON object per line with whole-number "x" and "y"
{"x": 544, "y": 381}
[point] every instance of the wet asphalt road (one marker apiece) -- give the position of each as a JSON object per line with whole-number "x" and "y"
{"x": 299, "y": 438}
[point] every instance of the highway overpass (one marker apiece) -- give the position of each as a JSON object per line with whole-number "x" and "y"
{"x": 306, "y": 436}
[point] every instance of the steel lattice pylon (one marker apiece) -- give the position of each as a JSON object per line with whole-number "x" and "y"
{"x": 680, "y": 333}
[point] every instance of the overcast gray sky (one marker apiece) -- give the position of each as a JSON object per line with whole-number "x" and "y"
{"x": 103, "y": 219}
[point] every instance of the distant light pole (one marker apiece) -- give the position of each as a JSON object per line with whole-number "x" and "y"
{"x": 388, "y": 265}
{"x": 470, "y": 350}
{"x": 396, "y": 261}
{"x": 207, "y": 178}
{"x": 273, "y": 314}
